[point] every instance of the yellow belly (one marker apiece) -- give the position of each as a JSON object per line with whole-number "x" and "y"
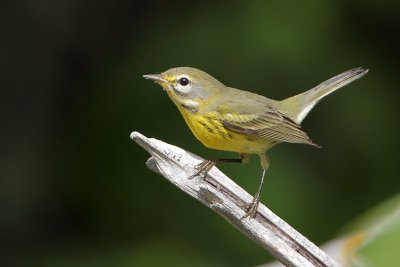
{"x": 212, "y": 133}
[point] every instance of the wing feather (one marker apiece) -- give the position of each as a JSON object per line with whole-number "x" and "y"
{"x": 255, "y": 115}
{"x": 271, "y": 125}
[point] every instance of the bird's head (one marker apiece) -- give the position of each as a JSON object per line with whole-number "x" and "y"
{"x": 187, "y": 86}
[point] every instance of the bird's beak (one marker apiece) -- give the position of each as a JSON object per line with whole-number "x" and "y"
{"x": 157, "y": 78}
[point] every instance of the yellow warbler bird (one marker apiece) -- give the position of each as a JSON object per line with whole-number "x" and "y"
{"x": 230, "y": 119}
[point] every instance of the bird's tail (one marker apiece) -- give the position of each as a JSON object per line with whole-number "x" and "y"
{"x": 297, "y": 107}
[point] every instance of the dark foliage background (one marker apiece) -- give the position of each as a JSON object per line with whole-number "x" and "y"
{"x": 74, "y": 190}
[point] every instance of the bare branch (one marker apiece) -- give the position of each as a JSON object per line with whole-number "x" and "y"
{"x": 226, "y": 198}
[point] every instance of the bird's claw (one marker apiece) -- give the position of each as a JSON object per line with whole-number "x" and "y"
{"x": 203, "y": 168}
{"x": 251, "y": 208}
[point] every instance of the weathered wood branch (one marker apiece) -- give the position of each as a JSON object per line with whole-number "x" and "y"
{"x": 225, "y": 197}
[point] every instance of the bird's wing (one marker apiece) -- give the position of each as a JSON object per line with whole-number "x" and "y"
{"x": 266, "y": 124}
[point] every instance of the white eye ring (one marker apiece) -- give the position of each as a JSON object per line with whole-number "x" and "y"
{"x": 182, "y": 84}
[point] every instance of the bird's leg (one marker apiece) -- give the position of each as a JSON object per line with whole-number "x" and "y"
{"x": 204, "y": 167}
{"x": 253, "y": 205}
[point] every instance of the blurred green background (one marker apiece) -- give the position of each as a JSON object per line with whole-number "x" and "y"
{"x": 74, "y": 189}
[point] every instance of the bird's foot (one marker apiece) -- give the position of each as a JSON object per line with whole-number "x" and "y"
{"x": 203, "y": 168}
{"x": 251, "y": 207}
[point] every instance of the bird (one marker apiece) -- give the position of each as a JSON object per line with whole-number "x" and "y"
{"x": 230, "y": 119}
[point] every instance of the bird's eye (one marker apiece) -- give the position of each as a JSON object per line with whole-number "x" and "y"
{"x": 183, "y": 81}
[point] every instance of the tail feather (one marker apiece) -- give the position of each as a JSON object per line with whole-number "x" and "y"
{"x": 297, "y": 107}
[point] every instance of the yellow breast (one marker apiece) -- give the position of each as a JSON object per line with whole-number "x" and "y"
{"x": 209, "y": 130}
